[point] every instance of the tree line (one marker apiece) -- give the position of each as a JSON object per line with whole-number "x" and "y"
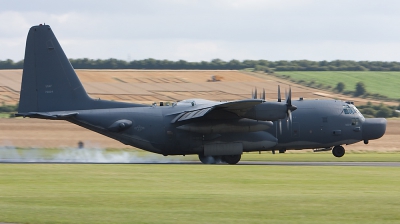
{"x": 218, "y": 64}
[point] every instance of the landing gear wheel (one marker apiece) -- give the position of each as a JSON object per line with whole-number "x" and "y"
{"x": 232, "y": 159}
{"x": 209, "y": 159}
{"x": 282, "y": 150}
{"x": 338, "y": 151}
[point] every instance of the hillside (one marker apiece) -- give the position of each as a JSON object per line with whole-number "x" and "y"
{"x": 383, "y": 83}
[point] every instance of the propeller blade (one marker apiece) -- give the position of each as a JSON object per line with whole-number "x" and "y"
{"x": 252, "y": 94}
{"x": 280, "y": 127}
{"x": 289, "y": 119}
{"x": 255, "y": 94}
{"x": 263, "y": 94}
{"x": 286, "y": 96}
{"x": 289, "y": 98}
{"x": 279, "y": 94}
{"x": 289, "y": 101}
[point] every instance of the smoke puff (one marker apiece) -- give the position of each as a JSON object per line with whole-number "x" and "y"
{"x": 9, "y": 153}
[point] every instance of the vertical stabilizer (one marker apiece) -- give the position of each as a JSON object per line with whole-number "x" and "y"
{"x": 49, "y": 82}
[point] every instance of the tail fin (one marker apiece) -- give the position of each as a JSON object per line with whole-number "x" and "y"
{"x": 49, "y": 82}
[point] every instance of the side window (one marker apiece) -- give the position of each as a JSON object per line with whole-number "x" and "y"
{"x": 354, "y": 121}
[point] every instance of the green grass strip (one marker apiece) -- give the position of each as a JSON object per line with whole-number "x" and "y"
{"x": 43, "y": 193}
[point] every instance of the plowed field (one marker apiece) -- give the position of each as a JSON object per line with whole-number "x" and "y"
{"x": 144, "y": 86}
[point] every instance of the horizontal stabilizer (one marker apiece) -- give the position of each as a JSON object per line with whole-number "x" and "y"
{"x": 47, "y": 115}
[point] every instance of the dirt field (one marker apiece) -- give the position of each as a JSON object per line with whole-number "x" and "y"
{"x": 144, "y": 86}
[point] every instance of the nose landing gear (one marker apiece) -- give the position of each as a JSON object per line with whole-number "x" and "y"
{"x": 338, "y": 151}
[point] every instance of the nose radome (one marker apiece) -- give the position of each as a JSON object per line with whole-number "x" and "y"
{"x": 373, "y": 128}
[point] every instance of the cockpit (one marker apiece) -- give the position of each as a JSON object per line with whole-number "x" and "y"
{"x": 351, "y": 109}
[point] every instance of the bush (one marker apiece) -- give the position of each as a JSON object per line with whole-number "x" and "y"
{"x": 368, "y": 111}
{"x": 8, "y": 108}
{"x": 384, "y": 112}
{"x": 360, "y": 89}
{"x": 340, "y": 87}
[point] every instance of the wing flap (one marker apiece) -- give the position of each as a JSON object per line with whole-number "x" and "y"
{"x": 191, "y": 114}
{"x": 237, "y": 107}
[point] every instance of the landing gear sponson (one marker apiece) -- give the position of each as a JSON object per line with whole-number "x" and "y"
{"x": 230, "y": 159}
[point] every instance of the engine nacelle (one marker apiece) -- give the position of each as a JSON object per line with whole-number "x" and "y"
{"x": 267, "y": 111}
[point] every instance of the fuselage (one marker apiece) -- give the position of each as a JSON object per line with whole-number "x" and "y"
{"x": 315, "y": 124}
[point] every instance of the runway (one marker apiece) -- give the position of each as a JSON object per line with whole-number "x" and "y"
{"x": 384, "y": 164}
{"x": 260, "y": 163}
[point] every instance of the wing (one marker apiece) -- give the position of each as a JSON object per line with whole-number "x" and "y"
{"x": 237, "y": 107}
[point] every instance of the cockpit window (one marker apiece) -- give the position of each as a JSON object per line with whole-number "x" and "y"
{"x": 351, "y": 109}
{"x": 348, "y": 110}
{"x": 357, "y": 112}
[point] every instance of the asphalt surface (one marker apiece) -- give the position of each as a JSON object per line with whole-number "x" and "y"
{"x": 264, "y": 163}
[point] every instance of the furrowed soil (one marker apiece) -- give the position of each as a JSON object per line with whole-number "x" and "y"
{"x": 143, "y": 86}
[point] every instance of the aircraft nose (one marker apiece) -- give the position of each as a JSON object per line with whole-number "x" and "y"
{"x": 373, "y": 128}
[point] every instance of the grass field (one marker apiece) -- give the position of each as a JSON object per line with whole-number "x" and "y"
{"x": 384, "y": 83}
{"x": 198, "y": 194}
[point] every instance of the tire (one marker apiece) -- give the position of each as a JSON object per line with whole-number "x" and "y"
{"x": 207, "y": 159}
{"x": 338, "y": 151}
{"x": 232, "y": 159}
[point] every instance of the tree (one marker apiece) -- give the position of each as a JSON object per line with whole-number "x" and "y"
{"x": 360, "y": 89}
{"x": 340, "y": 87}
{"x": 384, "y": 112}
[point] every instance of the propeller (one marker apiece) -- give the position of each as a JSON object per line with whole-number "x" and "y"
{"x": 289, "y": 108}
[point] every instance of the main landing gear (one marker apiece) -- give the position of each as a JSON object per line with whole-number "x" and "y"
{"x": 230, "y": 159}
{"x": 338, "y": 151}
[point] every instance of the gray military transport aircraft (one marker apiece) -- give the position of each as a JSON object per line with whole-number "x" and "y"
{"x": 216, "y": 131}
